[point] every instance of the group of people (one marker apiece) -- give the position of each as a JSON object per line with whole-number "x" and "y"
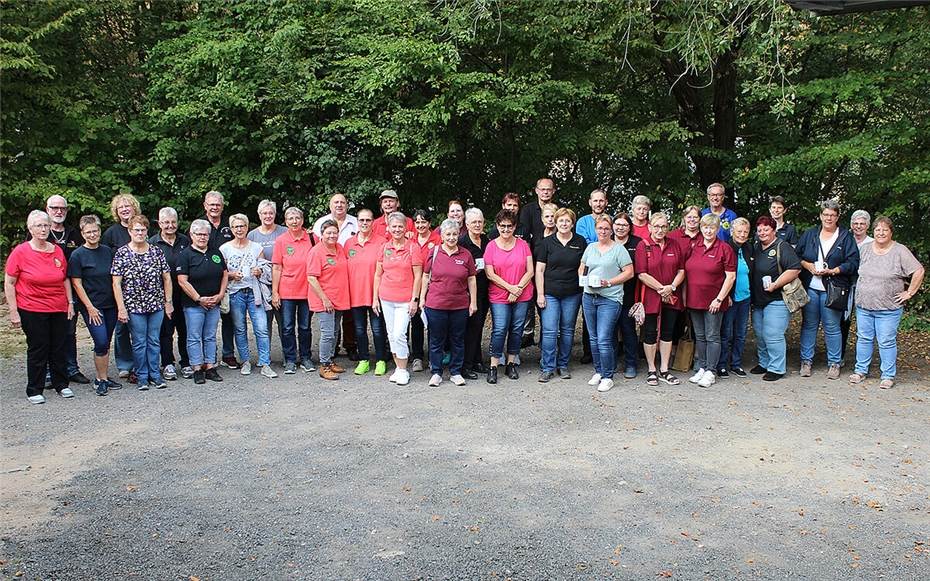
{"x": 641, "y": 282}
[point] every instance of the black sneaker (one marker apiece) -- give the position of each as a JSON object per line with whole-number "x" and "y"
{"x": 769, "y": 376}
{"x": 738, "y": 371}
{"x": 199, "y": 377}
{"x": 114, "y": 384}
{"x": 758, "y": 370}
{"x": 229, "y": 362}
{"x": 723, "y": 373}
{"x": 565, "y": 373}
{"x": 78, "y": 378}
{"x": 101, "y": 386}
{"x": 479, "y": 368}
{"x": 545, "y": 377}
{"x": 212, "y": 374}
{"x": 470, "y": 374}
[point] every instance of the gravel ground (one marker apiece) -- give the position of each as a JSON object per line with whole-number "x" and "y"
{"x": 360, "y": 479}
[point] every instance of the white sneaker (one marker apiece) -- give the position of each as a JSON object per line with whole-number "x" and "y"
{"x": 170, "y": 373}
{"x": 708, "y": 379}
{"x": 187, "y": 372}
{"x": 267, "y": 371}
{"x": 595, "y": 379}
{"x": 457, "y": 380}
{"x": 417, "y": 365}
{"x": 395, "y": 375}
{"x": 34, "y": 399}
{"x": 435, "y": 380}
{"x": 66, "y": 393}
{"x": 605, "y": 384}
{"x": 403, "y": 377}
{"x": 246, "y": 368}
{"x": 696, "y": 378}
{"x": 123, "y": 374}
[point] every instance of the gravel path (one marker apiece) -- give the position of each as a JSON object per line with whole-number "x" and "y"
{"x": 360, "y": 479}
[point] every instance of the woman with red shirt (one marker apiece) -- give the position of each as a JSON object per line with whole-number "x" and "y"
{"x": 711, "y": 272}
{"x": 39, "y": 296}
{"x": 363, "y": 251}
{"x": 328, "y": 280}
{"x": 396, "y": 291}
{"x": 689, "y": 234}
{"x": 426, "y": 240}
{"x": 660, "y": 264}
{"x": 289, "y": 290}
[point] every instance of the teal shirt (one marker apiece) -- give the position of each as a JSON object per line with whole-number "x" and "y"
{"x": 607, "y": 265}
{"x": 741, "y": 290}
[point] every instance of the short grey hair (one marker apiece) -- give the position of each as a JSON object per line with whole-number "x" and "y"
{"x": 267, "y": 204}
{"x": 740, "y": 222}
{"x": 293, "y": 210}
{"x": 472, "y": 213}
{"x": 397, "y": 216}
{"x": 641, "y": 200}
{"x": 830, "y": 205}
{"x": 709, "y": 219}
{"x": 37, "y": 215}
{"x": 861, "y": 214}
{"x": 449, "y": 224}
{"x": 658, "y": 216}
{"x": 214, "y": 194}
{"x": 717, "y": 186}
{"x": 200, "y": 225}
{"x": 166, "y": 213}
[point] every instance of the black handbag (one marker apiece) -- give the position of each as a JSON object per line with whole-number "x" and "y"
{"x": 837, "y": 294}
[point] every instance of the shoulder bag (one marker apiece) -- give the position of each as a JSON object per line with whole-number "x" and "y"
{"x": 793, "y": 293}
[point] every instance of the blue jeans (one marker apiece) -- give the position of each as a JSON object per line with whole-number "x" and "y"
{"x": 817, "y": 312}
{"x": 122, "y": 347}
{"x": 446, "y": 326}
{"x": 558, "y": 331}
{"x": 628, "y": 339}
{"x": 507, "y": 320}
{"x": 329, "y": 323}
{"x": 240, "y": 303}
{"x": 146, "y": 344}
{"x": 102, "y": 333}
{"x": 881, "y": 326}
{"x": 601, "y": 316}
{"x": 295, "y": 313}
{"x": 769, "y": 324}
{"x": 201, "y": 334}
{"x": 360, "y": 318}
{"x": 733, "y": 335}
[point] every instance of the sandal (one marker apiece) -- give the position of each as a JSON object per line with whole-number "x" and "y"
{"x": 856, "y": 378}
{"x": 669, "y": 378}
{"x": 886, "y": 384}
{"x": 652, "y": 378}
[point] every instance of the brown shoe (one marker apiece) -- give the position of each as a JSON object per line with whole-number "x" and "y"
{"x": 805, "y": 369}
{"x": 326, "y": 372}
{"x": 337, "y": 368}
{"x": 833, "y": 372}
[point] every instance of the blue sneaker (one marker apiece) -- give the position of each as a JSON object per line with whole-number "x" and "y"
{"x": 101, "y": 386}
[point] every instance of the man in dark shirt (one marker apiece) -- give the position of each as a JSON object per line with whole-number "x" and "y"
{"x": 531, "y": 219}
{"x": 171, "y": 242}
{"x": 511, "y": 202}
{"x": 220, "y": 233}
{"x": 68, "y": 238}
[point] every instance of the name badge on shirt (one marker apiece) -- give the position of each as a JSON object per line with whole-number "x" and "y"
{"x": 459, "y": 262}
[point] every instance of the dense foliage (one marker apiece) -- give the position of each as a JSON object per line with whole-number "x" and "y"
{"x": 296, "y": 99}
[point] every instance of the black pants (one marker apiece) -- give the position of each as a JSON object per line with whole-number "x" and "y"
{"x": 46, "y": 334}
{"x": 349, "y": 343}
{"x": 416, "y": 336}
{"x": 473, "y": 331}
{"x": 168, "y": 326}
{"x": 229, "y": 337}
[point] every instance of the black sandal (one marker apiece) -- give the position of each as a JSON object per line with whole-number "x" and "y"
{"x": 669, "y": 378}
{"x": 652, "y": 378}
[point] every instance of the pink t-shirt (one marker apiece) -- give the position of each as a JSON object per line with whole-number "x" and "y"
{"x": 397, "y": 271}
{"x": 40, "y": 284}
{"x": 290, "y": 254}
{"x": 510, "y": 265}
{"x": 448, "y": 279}
{"x": 331, "y": 270}
{"x": 362, "y": 261}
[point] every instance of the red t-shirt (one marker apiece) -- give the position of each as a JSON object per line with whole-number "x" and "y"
{"x": 379, "y": 227}
{"x": 362, "y": 261}
{"x": 426, "y": 248}
{"x": 448, "y": 279}
{"x": 40, "y": 284}
{"x": 663, "y": 264}
{"x": 290, "y": 253}
{"x": 641, "y": 232}
{"x": 510, "y": 265}
{"x": 397, "y": 271}
{"x": 331, "y": 268}
{"x": 704, "y": 271}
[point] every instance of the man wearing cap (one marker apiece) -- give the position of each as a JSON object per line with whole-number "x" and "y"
{"x": 68, "y": 238}
{"x": 390, "y": 202}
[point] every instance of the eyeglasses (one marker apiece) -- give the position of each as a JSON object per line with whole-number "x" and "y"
{"x": 364, "y": 219}
{"x": 200, "y": 233}
{"x": 58, "y": 208}
{"x": 622, "y": 224}
{"x": 505, "y": 226}
{"x": 41, "y": 225}
{"x": 240, "y": 226}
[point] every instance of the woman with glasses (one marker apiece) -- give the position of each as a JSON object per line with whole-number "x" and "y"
{"x": 289, "y": 291}
{"x": 122, "y": 207}
{"x": 142, "y": 288}
{"x": 626, "y": 326}
{"x": 362, "y": 252}
{"x": 508, "y": 263}
{"x": 476, "y": 241}
{"x": 426, "y": 240}
{"x": 172, "y": 243}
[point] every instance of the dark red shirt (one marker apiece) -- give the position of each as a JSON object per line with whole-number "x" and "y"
{"x": 686, "y": 242}
{"x": 448, "y": 279}
{"x": 663, "y": 264}
{"x": 704, "y": 271}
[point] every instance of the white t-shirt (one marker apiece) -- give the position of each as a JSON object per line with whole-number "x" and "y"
{"x": 826, "y": 245}
{"x": 241, "y": 260}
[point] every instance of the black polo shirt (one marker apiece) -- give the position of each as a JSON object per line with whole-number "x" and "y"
{"x": 116, "y": 236}
{"x": 219, "y": 236}
{"x": 92, "y": 266}
{"x": 68, "y": 240}
{"x": 562, "y": 262}
{"x": 531, "y": 218}
{"x": 764, "y": 264}
{"x": 629, "y": 287}
{"x": 204, "y": 271}
{"x": 481, "y": 279}
{"x": 171, "y": 252}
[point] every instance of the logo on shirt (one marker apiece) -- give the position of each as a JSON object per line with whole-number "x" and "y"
{"x": 215, "y": 258}
{"x": 388, "y": 252}
{"x": 725, "y": 224}
{"x": 57, "y": 263}
{"x": 331, "y": 261}
{"x": 352, "y": 253}
{"x": 459, "y": 262}
{"x": 290, "y": 250}
{"x": 772, "y": 253}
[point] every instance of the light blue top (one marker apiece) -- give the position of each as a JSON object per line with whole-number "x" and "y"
{"x": 741, "y": 289}
{"x": 607, "y": 265}
{"x": 585, "y": 228}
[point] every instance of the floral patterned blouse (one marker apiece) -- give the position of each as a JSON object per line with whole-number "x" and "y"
{"x": 143, "y": 286}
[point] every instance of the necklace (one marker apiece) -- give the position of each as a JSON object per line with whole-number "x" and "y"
{"x": 59, "y": 239}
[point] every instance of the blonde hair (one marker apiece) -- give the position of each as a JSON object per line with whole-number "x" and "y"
{"x": 565, "y": 212}
{"x": 118, "y": 200}
{"x": 238, "y": 218}
{"x": 710, "y": 219}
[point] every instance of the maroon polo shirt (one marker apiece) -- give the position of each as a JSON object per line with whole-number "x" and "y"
{"x": 686, "y": 242}
{"x": 704, "y": 271}
{"x": 448, "y": 279}
{"x": 662, "y": 263}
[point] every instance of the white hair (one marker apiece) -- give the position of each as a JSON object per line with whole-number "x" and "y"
{"x": 267, "y": 204}
{"x": 214, "y": 194}
{"x": 167, "y": 213}
{"x": 472, "y": 213}
{"x": 200, "y": 225}
{"x": 861, "y": 214}
{"x": 449, "y": 224}
{"x": 36, "y": 215}
{"x": 397, "y": 216}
